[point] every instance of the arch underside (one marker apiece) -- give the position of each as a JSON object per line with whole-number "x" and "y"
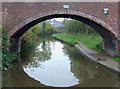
{"x": 102, "y": 31}
{"x": 110, "y": 43}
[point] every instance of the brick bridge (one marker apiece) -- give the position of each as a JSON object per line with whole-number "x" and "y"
{"x": 20, "y": 16}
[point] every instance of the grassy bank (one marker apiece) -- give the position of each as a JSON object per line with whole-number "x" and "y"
{"x": 92, "y": 41}
{"x": 117, "y": 59}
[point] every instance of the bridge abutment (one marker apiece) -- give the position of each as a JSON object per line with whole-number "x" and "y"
{"x": 15, "y": 45}
{"x": 111, "y": 46}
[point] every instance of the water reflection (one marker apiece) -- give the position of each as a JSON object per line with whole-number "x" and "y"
{"x": 55, "y": 64}
{"x": 81, "y": 68}
{"x": 55, "y": 71}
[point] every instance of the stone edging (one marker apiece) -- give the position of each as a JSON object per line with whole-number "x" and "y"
{"x": 91, "y": 58}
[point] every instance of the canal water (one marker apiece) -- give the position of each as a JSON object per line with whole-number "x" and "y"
{"x": 52, "y": 63}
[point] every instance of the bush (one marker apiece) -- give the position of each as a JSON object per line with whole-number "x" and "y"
{"x": 27, "y": 41}
{"x": 7, "y": 58}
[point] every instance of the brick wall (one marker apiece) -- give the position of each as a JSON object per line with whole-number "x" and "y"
{"x": 17, "y": 14}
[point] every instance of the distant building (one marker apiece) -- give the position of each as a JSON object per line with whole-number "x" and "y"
{"x": 40, "y": 25}
{"x": 57, "y": 24}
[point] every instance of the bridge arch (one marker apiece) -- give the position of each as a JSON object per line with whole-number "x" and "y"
{"x": 81, "y": 16}
{"x": 103, "y": 29}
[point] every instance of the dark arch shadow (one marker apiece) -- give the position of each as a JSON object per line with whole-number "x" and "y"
{"x": 109, "y": 40}
{"x": 102, "y": 31}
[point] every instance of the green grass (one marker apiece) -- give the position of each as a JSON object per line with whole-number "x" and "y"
{"x": 92, "y": 41}
{"x": 117, "y": 59}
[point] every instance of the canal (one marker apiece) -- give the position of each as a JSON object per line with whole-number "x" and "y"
{"x": 52, "y": 63}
